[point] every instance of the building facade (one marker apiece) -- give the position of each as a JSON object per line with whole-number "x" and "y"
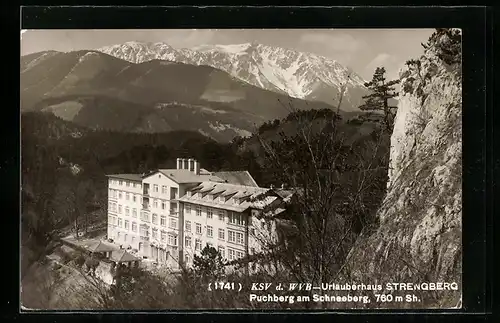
{"x": 170, "y": 215}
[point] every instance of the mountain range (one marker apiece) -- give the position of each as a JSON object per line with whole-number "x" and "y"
{"x": 297, "y": 74}
{"x": 218, "y": 91}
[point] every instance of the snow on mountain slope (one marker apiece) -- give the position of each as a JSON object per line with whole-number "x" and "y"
{"x": 137, "y": 52}
{"x": 300, "y": 75}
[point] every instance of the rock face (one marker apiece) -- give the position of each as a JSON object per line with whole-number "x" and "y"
{"x": 419, "y": 236}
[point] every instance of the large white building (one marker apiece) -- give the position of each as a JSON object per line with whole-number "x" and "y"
{"x": 169, "y": 215}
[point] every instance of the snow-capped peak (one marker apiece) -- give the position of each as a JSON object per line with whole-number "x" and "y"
{"x": 298, "y": 74}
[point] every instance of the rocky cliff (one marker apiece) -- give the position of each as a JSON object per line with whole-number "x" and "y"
{"x": 419, "y": 235}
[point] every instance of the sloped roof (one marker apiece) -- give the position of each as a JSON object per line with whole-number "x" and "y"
{"x": 122, "y": 256}
{"x": 100, "y": 246}
{"x": 231, "y": 189}
{"x": 129, "y": 177}
{"x": 183, "y": 176}
{"x": 237, "y": 177}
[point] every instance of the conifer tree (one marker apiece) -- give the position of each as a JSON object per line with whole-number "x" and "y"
{"x": 209, "y": 264}
{"x": 382, "y": 90}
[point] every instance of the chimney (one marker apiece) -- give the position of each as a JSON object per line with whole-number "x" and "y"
{"x": 191, "y": 164}
{"x": 186, "y": 164}
{"x": 282, "y": 185}
{"x": 197, "y": 167}
{"x": 272, "y": 186}
{"x": 179, "y": 163}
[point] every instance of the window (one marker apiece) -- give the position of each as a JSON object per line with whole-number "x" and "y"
{"x": 155, "y": 187}
{"x": 155, "y": 203}
{"x": 134, "y": 227}
{"x": 163, "y": 236}
{"x": 235, "y": 237}
{"x": 134, "y": 213}
{"x": 121, "y": 182}
{"x": 222, "y": 199}
{"x": 252, "y": 251}
{"x": 189, "y": 194}
{"x": 144, "y": 230}
{"x": 163, "y": 189}
{"x": 230, "y": 254}
{"x": 119, "y": 208}
{"x": 236, "y": 218}
{"x": 222, "y": 215}
{"x": 198, "y": 228}
{"x": 173, "y": 223}
{"x": 197, "y": 245}
{"x": 222, "y": 251}
{"x": 126, "y": 224}
{"x": 188, "y": 226}
{"x": 155, "y": 233}
{"x": 128, "y": 183}
{"x": 188, "y": 242}
{"x": 187, "y": 259}
{"x": 221, "y": 234}
{"x": 239, "y": 238}
{"x": 163, "y": 221}
{"x": 210, "y": 213}
{"x": 188, "y": 208}
{"x": 172, "y": 240}
{"x": 239, "y": 254}
{"x": 144, "y": 216}
{"x": 109, "y": 205}
{"x": 163, "y": 205}
{"x": 127, "y": 211}
{"x": 120, "y": 223}
{"x": 198, "y": 210}
{"x": 127, "y": 196}
{"x": 173, "y": 193}
{"x": 210, "y": 231}
{"x": 173, "y": 207}
{"x": 134, "y": 198}
{"x": 133, "y": 239}
{"x": 154, "y": 218}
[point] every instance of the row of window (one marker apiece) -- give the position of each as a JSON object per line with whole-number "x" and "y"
{"x": 118, "y": 208}
{"x": 233, "y": 236}
{"x": 174, "y": 191}
{"x": 127, "y": 225}
{"x": 136, "y": 197}
{"x": 231, "y": 255}
{"x": 126, "y": 183}
{"x": 233, "y": 217}
{"x": 124, "y": 195}
{"x": 212, "y": 197}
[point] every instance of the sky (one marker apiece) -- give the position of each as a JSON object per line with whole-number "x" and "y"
{"x": 360, "y": 49}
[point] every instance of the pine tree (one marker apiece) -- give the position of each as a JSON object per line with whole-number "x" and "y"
{"x": 382, "y": 90}
{"x": 209, "y": 264}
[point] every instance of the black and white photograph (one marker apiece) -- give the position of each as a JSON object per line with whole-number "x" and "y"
{"x": 229, "y": 169}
